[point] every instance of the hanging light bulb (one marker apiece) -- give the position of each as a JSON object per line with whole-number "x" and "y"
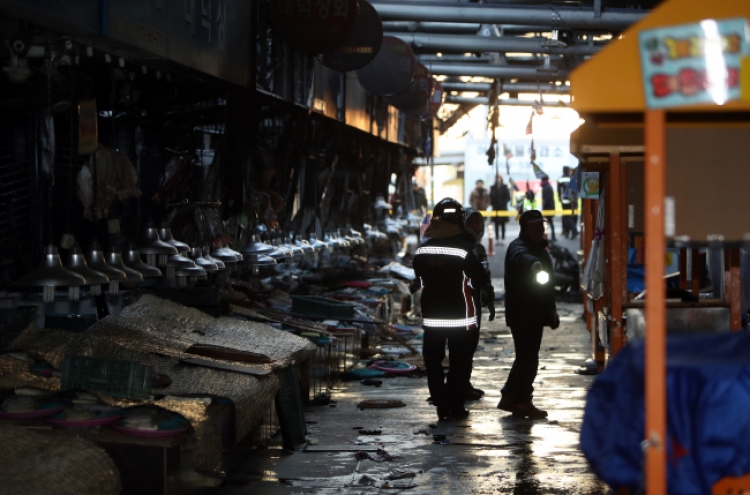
{"x": 77, "y": 263}
{"x": 155, "y": 250}
{"x": 165, "y": 234}
{"x": 51, "y": 274}
{"x": 114, "y": 259}
{"x": 131, "y": 257}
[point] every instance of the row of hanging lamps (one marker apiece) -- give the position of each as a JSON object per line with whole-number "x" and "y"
{"x": 113, "y": 258}
{"x": 96, "y": 261}
{"x": 77, "y": 263}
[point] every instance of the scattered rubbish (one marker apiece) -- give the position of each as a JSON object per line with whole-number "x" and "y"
{"x": 543, "y": 368}
{"x": 490, "y": 340}
{"x": 479, "y": 348}
{"x": 312, "y": 441}
{"x": 370, "y": 432}
{"x": 423, "y": 431}
{"x": 432, "y": 425}
{"x": 380, "y": 404}
{"x": 380, "y": 456}
{"x": 438, "y": 438}
{"x": 370, "y": 381}
{"x": 395, "y": 367}
{"x": 357, "y": 427}
{"x": 366, "y": 372}
{"x": 400, "y": 475}
{"x": 366, "y": 481}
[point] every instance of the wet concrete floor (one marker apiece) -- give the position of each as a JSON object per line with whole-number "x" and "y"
{"x": 489, "y": 452}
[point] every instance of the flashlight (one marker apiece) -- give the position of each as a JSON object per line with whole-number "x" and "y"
{"x": 542, "y": 277}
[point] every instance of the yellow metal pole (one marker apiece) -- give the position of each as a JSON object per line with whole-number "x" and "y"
{"x": 655, "y": 367}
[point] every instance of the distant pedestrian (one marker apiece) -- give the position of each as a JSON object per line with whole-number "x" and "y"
{"x": 562, "y": 189}
{"x": 479, "y": 199}
{"x": 499, "y": 198}
{"x": 548, "y": 203}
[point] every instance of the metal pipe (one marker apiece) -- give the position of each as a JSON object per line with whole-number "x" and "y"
{"x": 447, "y": 43}
{"x": 507, "y": 87}
{"x": 483, "y": 100}
{"x": 521, "y": 60}
{"x": 508, "y": 72}
{"x": 430, "y": 27}
{"x": 558, "y": 17}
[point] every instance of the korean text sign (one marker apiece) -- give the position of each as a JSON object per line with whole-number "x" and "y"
{"x": 693, "y": 63}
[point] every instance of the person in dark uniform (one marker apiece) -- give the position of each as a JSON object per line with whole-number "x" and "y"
{"x": 474, "y": 225}
{"x": 529, "y": 307}
{"x": 447, "y": 268}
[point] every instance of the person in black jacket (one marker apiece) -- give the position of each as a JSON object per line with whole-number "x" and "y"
{"x": 548, "y": 203}
{"x": 447, "y": 267}
{"x": 529, "y": 307}
{"x": 499, "y": 198}
{"x": 474, "y": 225}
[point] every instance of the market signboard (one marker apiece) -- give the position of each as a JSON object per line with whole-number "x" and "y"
{"x": 589, "y": 185}
{"x": 693, "y": 63}
{"x": 143, "y": 24}
{"x": 211, "y": 36}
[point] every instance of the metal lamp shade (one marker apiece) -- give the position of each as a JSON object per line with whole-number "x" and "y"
{"x": 154, "y": 249}
{"x": 114, "y": 259}
{"x": 220, "y": 264}
{"x": 413, "y": 100}
{"x": 196, "y": 254}
{"x": 254, "y": 247}
{"x": 165, "y": 234}
{"x": 96, "y": 261}
{"x": 227, "y": 255}
{"x": 77, "y": 263}
{"x": 51, "y": 274}
{"x": 131, "y": 257}
{"x": 314, "y": 27}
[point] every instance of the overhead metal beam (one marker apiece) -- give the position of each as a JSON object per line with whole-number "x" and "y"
{"x": 557, "y": 17}
{"x": 508, "y": 87}
{"x": 494, "y": 71}
{"x": 449, "y": 43}
{"x": 483, "y": 100}
{"x": 430, "y": 27}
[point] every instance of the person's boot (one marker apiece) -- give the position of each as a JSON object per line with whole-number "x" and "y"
{"x": 507, "y": 403}
{"x": 528, "y": 410}
{"x": 474, "y": 393}
{"x": 459, "y": 413}
{"x": 443, "y": 412}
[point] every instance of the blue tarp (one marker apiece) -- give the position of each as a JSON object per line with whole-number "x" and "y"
{"x": 708, "y": 413}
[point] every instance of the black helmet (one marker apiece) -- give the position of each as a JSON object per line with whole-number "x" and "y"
{"x": 474, "y": 223}
{"x": 449, "y": 209}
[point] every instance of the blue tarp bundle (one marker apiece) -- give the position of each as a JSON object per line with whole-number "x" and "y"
{"x": 708, "y": 414}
